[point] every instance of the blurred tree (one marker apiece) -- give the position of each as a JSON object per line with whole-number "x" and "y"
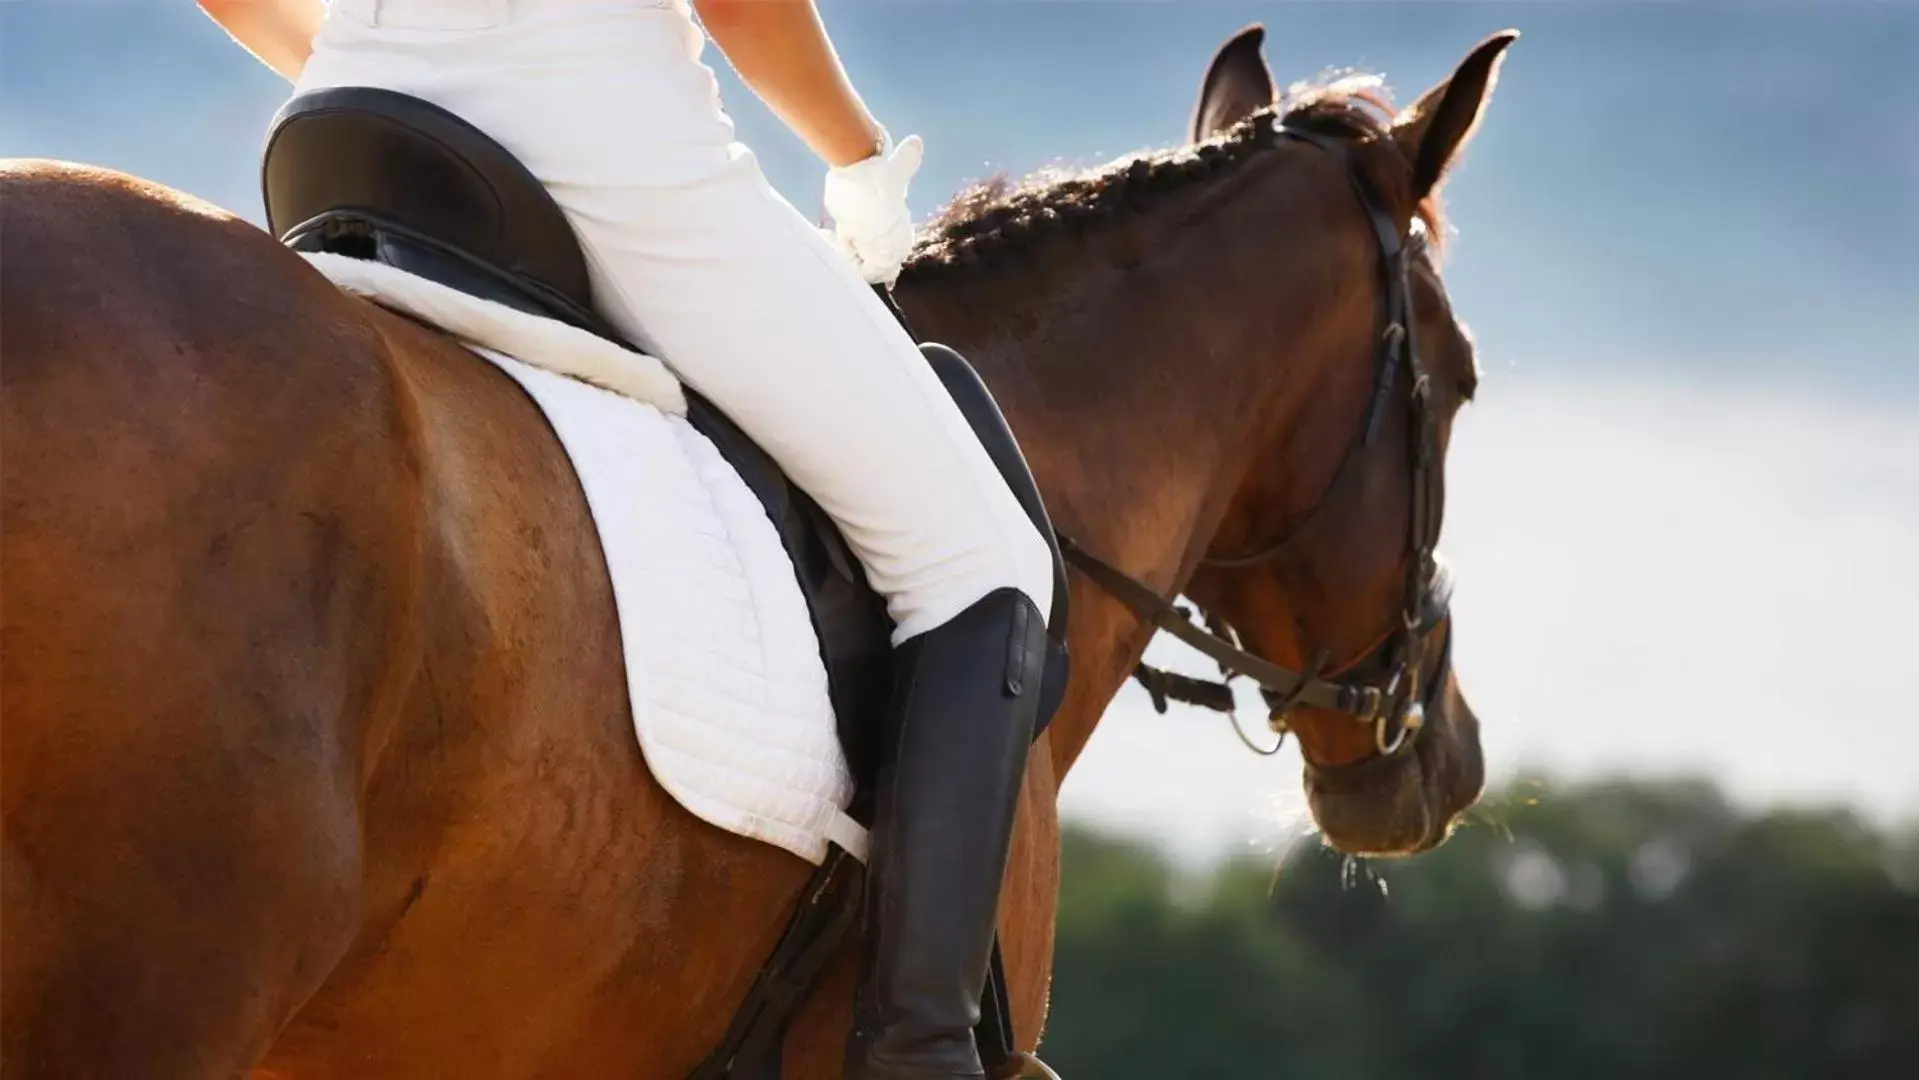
{"x": 1648, "y": 930}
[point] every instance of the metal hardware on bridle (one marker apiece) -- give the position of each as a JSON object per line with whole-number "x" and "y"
{"x": 1232, "y": 719}
{"x": 1395, "y": 707}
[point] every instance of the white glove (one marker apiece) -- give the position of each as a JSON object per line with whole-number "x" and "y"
{"x": 867, "y": 199}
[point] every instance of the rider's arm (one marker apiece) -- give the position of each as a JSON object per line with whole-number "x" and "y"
{"x": 279, "y": 32}
{"x": 781, "y": 51}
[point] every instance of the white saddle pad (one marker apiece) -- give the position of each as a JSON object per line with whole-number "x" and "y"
{"x": 728, "y": 692}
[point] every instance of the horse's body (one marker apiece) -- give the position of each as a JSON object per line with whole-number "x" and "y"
{"x": 317, "y": 755}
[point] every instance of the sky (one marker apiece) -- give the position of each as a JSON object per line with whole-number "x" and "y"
{"x": 1684, "y": 507}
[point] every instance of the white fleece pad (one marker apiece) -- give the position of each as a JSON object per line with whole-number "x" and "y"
{"x": 728, "y": 692}
{"x": 544, "y": 343}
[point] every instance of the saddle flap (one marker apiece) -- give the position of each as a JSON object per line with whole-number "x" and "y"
{"x": 976, "y": 403}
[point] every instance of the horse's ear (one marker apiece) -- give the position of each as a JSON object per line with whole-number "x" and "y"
{"x": 1237, "y": 84}
{"x": 1440, "y": 124}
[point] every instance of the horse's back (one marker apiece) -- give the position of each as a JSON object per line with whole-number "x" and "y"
{"x": 208, "y": 519}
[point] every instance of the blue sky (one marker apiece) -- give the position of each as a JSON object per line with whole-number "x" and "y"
{"x": 1683, "y": 507}
{"x": 1732, "y": 185}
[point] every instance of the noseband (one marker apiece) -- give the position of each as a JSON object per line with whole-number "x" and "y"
{"x": 1387, "y": 688}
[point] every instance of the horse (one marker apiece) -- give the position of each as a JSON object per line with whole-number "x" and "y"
{"x": 317, "y": 758}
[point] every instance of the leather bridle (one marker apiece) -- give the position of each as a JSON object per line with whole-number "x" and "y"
{"x": 1394, "y": 700}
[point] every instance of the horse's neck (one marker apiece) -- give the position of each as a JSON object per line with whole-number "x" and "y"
{"x": 1135, "y": 412}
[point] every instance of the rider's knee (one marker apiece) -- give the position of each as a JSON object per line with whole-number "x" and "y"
{"x": 1030, "y": 566}
{"x": 1012, "y": 557}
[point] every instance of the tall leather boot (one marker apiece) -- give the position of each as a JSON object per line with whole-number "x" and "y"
{"x": 964, "y": 703}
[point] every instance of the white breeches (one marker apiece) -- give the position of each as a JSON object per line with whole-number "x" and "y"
{"x": 695, "y": 256}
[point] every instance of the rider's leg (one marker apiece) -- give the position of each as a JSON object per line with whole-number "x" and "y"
{"x": 750, "y": 305}
{"x": 695, "y": 256}
{"x": 744, "y": 298}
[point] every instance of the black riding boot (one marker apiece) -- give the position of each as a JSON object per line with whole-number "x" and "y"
{"x": 964, "y": 703}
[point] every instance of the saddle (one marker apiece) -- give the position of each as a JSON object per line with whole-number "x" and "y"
{"x": 374, "y": 174}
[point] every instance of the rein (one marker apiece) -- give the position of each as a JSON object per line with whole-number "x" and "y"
{"x": 1395, "y": 707}
{"x": 1297, "y": 688}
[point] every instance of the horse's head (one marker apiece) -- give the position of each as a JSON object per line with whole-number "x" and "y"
{"x": 1323, "y": 561}
{"x": 1267, "y": 303}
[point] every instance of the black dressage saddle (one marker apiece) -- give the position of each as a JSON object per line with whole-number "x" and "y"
{"x": 374, "y": 174}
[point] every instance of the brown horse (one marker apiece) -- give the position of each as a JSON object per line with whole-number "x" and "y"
{"x": 317, "y": 759}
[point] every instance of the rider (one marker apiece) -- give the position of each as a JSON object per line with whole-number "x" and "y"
{"x": 695, "y": 257}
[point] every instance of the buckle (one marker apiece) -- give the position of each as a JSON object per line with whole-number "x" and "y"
{"x": 1369, "y": 701}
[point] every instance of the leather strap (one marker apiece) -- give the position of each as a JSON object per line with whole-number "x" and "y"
{"x": 1362, "y": 701}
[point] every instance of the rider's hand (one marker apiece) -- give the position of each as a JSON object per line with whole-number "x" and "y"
{"x": 867, "y": 199}
{"x": 783, "y": 53}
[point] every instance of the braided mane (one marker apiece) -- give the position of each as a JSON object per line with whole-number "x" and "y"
{"x": 999, "y": 217}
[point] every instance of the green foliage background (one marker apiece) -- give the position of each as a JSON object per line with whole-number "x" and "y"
{"x": 1623, "y": 930}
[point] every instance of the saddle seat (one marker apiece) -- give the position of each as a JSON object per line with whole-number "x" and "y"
{"x": 378, "y": 175}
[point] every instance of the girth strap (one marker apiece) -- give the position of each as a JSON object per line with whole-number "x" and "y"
{"x": 827, "y": 913}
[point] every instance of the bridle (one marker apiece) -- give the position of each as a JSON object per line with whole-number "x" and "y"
{"x": 1394, "y": 700}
